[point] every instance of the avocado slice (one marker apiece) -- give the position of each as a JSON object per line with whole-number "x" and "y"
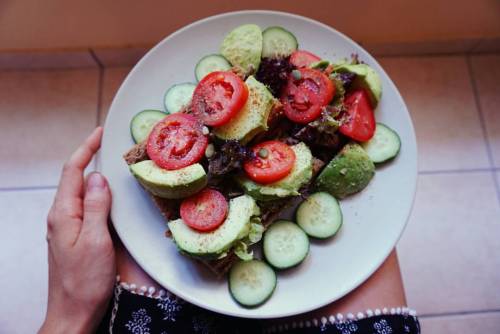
{"x": 252, "y": 118}
{"x": 242, "y": 46}
{"x": 164, "y": 183}
{"x": 366, "y": 78}
{"x": 347, "y": 173}
{"x": 289, "y": 186}
{"x": 213, "y": 244}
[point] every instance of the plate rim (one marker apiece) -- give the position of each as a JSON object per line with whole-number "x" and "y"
{"x": 375, "y": 265}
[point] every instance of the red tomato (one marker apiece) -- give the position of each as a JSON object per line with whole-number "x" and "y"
{"x": 304, "y": 98}
{"x": 177, "y": 141}
{"x": 204, "y": 211}
{"x": 218, "y": 97}
{"x": 360, "y": 124}
{"x": 301, "y": 58}
{"x": 273, "y": 161}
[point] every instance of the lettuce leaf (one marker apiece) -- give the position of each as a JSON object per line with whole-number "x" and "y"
{"x": 256, "y": 230}
{"x": 241, "y": 250}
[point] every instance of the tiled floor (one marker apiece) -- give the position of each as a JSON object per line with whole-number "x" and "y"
{"x": 450, "y": 254}
{"x": 44, "y": 116}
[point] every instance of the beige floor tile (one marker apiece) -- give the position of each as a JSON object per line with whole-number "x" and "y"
{"x": 23, "y": 258}
{"x": 486, "y": 71}
{"x": 440, "y": 97}
{"x": 482, "y": 323}
{"x": 44, "y": 116}
{"x": 449, "y": 253}
{"x": 113, "y": 78}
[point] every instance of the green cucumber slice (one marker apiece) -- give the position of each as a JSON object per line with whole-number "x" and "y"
{"x": 252, "y": 282}
{"x": 278, "y": 42}
{"x": 384, "y": 145}
{"x": 209, "y": 64}
{"x": 142, "y": 123}
{"x": 285, "y": 244}
{"x": 319, "y": 215}
{"x": 178, "y": 96}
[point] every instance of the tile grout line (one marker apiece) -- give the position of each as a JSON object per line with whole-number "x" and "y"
{"x": 479, "y": 110}
{"x": 95, "y": 58}
{"x": 49, "y": 69}
{"x": 100, "y": 84}
{"x": 28, "y": 188}
{"x": 455, "y": 171}
{"x": 482, "y": 122}
{"x": 458, "y": 313}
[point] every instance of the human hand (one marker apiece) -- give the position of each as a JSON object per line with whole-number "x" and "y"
{"x": 82, "y": 265}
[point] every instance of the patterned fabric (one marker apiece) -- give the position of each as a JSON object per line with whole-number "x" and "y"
{"x": 138, "y": 314}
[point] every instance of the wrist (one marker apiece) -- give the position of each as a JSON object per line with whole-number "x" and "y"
{"x": 69, "y": 320}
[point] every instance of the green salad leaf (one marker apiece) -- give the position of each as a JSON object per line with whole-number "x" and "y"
{"x": 241, "y": 250}
{"x": 256, "y": 230}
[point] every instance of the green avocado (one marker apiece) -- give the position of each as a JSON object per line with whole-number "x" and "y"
{"x": 349, "y": 172}
{"x": 366, "y": 78}
{"x": 242, "y": 46}
{"x": 211, "y": 245}
{"x": 289, "y": 186}
{"x": 164, "y": 183}
{"x": 252, "y": 118}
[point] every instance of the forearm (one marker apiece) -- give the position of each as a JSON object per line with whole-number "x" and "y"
{"x": 64, "y": 320}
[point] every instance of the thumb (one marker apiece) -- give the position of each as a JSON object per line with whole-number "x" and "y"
{"x": 96, "y": 205}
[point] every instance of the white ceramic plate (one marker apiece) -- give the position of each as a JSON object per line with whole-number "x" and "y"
{"x": 373, "y": 219}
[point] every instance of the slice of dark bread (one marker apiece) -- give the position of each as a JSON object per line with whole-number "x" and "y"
{"x": 170, "y": 208}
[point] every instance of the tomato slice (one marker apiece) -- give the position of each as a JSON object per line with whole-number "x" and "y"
{"x": 304, "y": 98}
{"x": 218, "y": 97}
{"x": 177, "y": 141}
{"x": 204, "y": 211}
{"x": 273, "y": 161}
{"x": 301, "y": 58}
{"x": 360, "y": 124}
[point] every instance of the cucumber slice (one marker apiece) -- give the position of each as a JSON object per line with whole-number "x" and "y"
{"x": 209, "y": 64}
{"x": 178, "y": 96}
{"x": 285, "y": 244}
{"x": 319, "y": 215}
{"x": 142, "y": 123}
{"x": 384, "y": 145}
{"x": 252, "y": 282}
{"x": 278, "y": 42}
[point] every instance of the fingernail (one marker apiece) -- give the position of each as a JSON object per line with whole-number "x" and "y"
{"x": 96, "y": 181}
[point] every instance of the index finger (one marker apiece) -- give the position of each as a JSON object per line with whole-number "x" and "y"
{"x": 70, "y": 188}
